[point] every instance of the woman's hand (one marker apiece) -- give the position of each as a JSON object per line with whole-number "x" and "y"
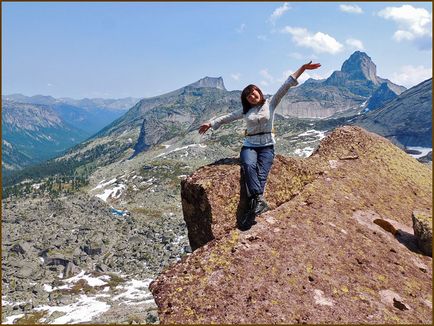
{"x": 307, "y": 66}
{"x": 311, "y": 66}
{"x": 203, "y": 128}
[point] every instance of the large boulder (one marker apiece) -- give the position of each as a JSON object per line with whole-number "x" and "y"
{"x": 337, "y": 246}
{"x": 422, "y": 225}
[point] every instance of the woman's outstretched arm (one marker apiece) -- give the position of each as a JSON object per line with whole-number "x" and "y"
{"x": 217, "y": 122}
{"x": 291, "y": 81}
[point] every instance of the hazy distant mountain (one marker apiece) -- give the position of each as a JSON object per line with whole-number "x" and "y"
{"x": 32, "y": 133}
{"x": 152, "y": 121}
{"x": 170, "y": 114}
{"x": 90, "y": 115}
{"x": 349, "y": 88}
{"x": 406, "y": 119}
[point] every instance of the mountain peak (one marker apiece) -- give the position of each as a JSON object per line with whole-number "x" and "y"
{"x": 360, "y": 66}
{"x": 214, "y": 82}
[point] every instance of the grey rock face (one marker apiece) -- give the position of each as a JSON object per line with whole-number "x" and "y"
{"x": 422, "y": 226}
{"x": 406, "y": 119}
{"x": 359, "y": 67}
{"x": 381, "y": 96}
{"x": 210, "y": 82}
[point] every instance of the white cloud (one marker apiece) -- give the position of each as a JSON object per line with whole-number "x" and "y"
{"x": 49, "y": 84}
{"x": 357, "y": 44}
{"x": 318, "y": 42}
{"x": 278, "y": 12}
{"x": 353, "y": 9}
{"x": 241, "y": 29}
{"x": 236, "y": 76}
{"x": 414, "y": 24}
{"x": 410, "y": 76}
{"x": 262, "y": 37}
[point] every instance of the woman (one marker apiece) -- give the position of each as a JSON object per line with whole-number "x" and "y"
{"x": 257, "y": 153}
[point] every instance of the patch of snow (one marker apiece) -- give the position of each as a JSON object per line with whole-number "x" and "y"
{"x": 47, "y": 288}
{"x": 11, "y": 319}
{"x": 423, "y": 151}
{"x": 180, "y": 148}
{"x": 102, "y": 184}
{"x": 312, "y": 132}
{"x": 136, "y": 290}
{"x": 84, "y": 310}
{"x": 304, "y": 152}
{"x": 37, "y": 185}
{"x": 92, "y": 281}
{"x": 116, "y": 192}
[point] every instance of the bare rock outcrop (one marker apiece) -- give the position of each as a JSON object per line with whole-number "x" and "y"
{"x": 422, "y": 225}
{"x": 336, "y": 247}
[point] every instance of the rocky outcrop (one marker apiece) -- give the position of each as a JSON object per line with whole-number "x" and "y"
{"x": 337, "y": 246}
{"x": 45, "y": 241}
{"x": 210, "y": 202}
{"x": 212, "y": 82}
{"x": 422, "y": 226}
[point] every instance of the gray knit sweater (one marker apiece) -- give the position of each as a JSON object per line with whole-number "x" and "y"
{"x": 259, "y": 119}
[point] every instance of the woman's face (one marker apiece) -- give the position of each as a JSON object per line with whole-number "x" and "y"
{"x": 254, "y": 97}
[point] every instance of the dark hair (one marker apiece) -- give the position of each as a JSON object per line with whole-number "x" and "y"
{"x": 246, "y": 92}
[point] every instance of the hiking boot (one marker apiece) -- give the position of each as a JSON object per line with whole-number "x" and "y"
{"x": 248, "y": 219}
{"x": 261, "y": 205}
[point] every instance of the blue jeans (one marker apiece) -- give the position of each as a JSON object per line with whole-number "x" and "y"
{"x": 256, "y": 164}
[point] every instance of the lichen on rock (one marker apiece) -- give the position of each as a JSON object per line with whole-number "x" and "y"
{"x": 337, "y": 235}
{"x": 422, "y": 225}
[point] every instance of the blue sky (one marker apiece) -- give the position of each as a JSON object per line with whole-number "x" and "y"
{"x": 145, "y": 49}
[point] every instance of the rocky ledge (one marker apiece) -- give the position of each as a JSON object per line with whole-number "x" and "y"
{"x": 338, "y": 245}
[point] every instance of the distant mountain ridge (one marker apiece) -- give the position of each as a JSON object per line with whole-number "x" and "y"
{"x": 32, "y": 133}
{"x": 121, "y": 104}
{"x": 37, "y": 128}
{"x": 176, "y": 114}
{"x": 407, "y": 119}
{"x": 90, "y": 115}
